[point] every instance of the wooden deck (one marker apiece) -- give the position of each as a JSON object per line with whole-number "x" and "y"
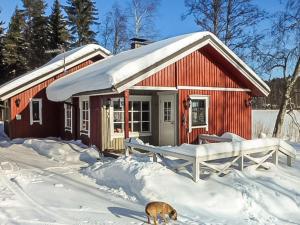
{"x": 235, "y": 152}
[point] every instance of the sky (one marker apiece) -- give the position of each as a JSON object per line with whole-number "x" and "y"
{"x": 168, "y": 21}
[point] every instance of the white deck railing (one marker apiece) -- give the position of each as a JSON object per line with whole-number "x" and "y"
{"x": 202, "y": 155}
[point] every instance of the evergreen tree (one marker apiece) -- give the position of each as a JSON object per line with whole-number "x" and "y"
{"x": 82, "y": 15}
{"x": 2, "y": 65}
{"x": 16, "y": 58}
{"x": 58, "y": 32}
{"x": 36, "y": 32}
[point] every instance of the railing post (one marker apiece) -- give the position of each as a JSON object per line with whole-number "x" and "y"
{"x": 196, "y": 170}
{"x": 126, "y": 113}
{"x": 275, "y": 157}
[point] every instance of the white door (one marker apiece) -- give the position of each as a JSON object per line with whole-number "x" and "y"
{"x": 167, "y": 120}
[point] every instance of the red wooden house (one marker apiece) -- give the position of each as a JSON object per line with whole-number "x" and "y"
{"x": 166, "y": 93}
{"x": 27, "y": 111}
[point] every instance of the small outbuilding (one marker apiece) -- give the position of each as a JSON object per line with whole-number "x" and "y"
{"x": 166, "y": 93}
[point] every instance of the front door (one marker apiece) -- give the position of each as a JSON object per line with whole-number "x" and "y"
{"x": 167, "y": 120}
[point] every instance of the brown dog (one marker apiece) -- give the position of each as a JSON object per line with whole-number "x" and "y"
{"x": 155, "y": 209}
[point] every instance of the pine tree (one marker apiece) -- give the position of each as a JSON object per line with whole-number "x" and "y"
{"x": 16, "y": 58}
{"x": 36, "y": 32}
{"x": 58, "y": 32}
{"x": 82, "y": 15}
{"x": 2, "y": 65}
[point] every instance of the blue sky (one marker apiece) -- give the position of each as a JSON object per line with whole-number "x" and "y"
{"x": 168, "y": 22}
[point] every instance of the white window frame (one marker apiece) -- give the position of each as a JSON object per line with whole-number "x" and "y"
{"x": 40, "y": 121}
{"x": 68, "y": 128}
{"x": 139, "y": 98}
{"x": 199, "y": 97}
{"x": 84, "y": 131}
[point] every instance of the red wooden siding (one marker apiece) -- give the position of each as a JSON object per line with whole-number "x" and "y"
{"x": 50, "y": 122}
{"x": 227, "y": 113}
{"x": 197, "y": 69}
{"x": 95, "y": 113}
{"x": 163, "y": 78}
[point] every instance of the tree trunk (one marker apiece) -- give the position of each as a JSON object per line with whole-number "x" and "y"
{"x": 287, "y": 94}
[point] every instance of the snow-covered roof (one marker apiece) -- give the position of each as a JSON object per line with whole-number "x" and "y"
{"x": 125, "y": 69}
{"x": 50, "y": 69}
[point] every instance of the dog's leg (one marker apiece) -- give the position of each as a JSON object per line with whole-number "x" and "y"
{"x": 155, "y": 220}
{"x": 148, "y": 217}
{"x": 163, "y": 218}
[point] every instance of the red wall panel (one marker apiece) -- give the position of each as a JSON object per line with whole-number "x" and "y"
{"x": 51, "y": 121}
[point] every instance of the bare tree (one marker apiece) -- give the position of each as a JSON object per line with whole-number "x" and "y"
{"x": 280, "y": 56}
{"x": 141, "y": 15}
{"x": 114, "y": 30}
{"x": 232, "y": 21}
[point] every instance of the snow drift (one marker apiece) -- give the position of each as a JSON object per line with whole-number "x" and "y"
{"x": 249, "y": 197}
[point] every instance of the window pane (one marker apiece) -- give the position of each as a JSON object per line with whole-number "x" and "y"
{"x": 145, "y": 106}
{"x": 118, "y": 127}
{"x": 167, "y": 111}
{"x": 136, "y": 106}
{"x": 35, "y": 110}
{"x": 118, "y": 117}
{"x": 198, "y": 113}
{"x": 137, "y": 127}
{"x": 118, "y": 105}
{"x": 146, "y": 126}
{"x": 146, "y": 116}
{"x": 136, "y": 116}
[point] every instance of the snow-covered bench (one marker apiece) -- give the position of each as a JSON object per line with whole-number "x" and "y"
{"x": 204, "y": 154}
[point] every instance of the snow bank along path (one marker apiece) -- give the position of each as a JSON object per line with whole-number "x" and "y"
{"x": 49, "y": 189}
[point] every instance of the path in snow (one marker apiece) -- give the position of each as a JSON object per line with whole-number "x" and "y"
{"x": 37, "y": 190}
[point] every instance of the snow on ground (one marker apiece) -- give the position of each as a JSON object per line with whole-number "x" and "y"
{"x": 264, "y": 121}
{"x": 249, "y": 197}
{"x": 46, "y": 181}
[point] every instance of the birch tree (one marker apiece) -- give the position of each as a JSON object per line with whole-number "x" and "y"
{"x": 142, "y": 14}
{"x": 232, "y": 21}
{"x": 280, "y": 56}
{"x": 114, "y": 31}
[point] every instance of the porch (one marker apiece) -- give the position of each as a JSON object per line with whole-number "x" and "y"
{"x": 150, "y": 115}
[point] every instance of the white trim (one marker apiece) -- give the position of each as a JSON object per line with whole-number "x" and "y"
{"x": 70, "y": 129}
{"x": 213, "y": 88}
{"x": 40, "y": 121}
{"x": 138, "y": 98}
{"x": 81, "y": 99}
{"x": 160, "y": 67}
{"x": 199, "y": 97}
{"x": 42, "y": 79}
{"x": 248, "y": 74}
{"x": 153, "y": 88}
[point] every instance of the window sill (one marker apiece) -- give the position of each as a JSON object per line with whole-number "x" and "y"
{"x": 85, "y": 133}
{"x": 202, "y": 126}
{"x": 68, "y": 130}
{"x": 132, "y": 134}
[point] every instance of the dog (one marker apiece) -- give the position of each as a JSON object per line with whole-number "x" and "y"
{"x": 155, "y": 209}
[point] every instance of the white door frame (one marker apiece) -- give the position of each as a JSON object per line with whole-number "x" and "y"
{"x": 175, "y": 114}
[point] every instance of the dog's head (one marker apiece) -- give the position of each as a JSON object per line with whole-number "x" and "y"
{"x": 173, "y": 214}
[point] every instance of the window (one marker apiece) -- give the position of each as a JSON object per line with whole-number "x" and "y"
{"x": 84, "y": 115}
{"x": 68, "y": 116}
{"x": 199, "y": 112}
{"x": 35, "y": 111}
{"x": 139, "y": 115}
{"x": 167, "y": 111}
{"x": 118, "y": 115}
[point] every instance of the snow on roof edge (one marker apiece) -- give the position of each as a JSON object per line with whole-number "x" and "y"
{"x": 114, "y": 74}
{"x": 54, "y": 64}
